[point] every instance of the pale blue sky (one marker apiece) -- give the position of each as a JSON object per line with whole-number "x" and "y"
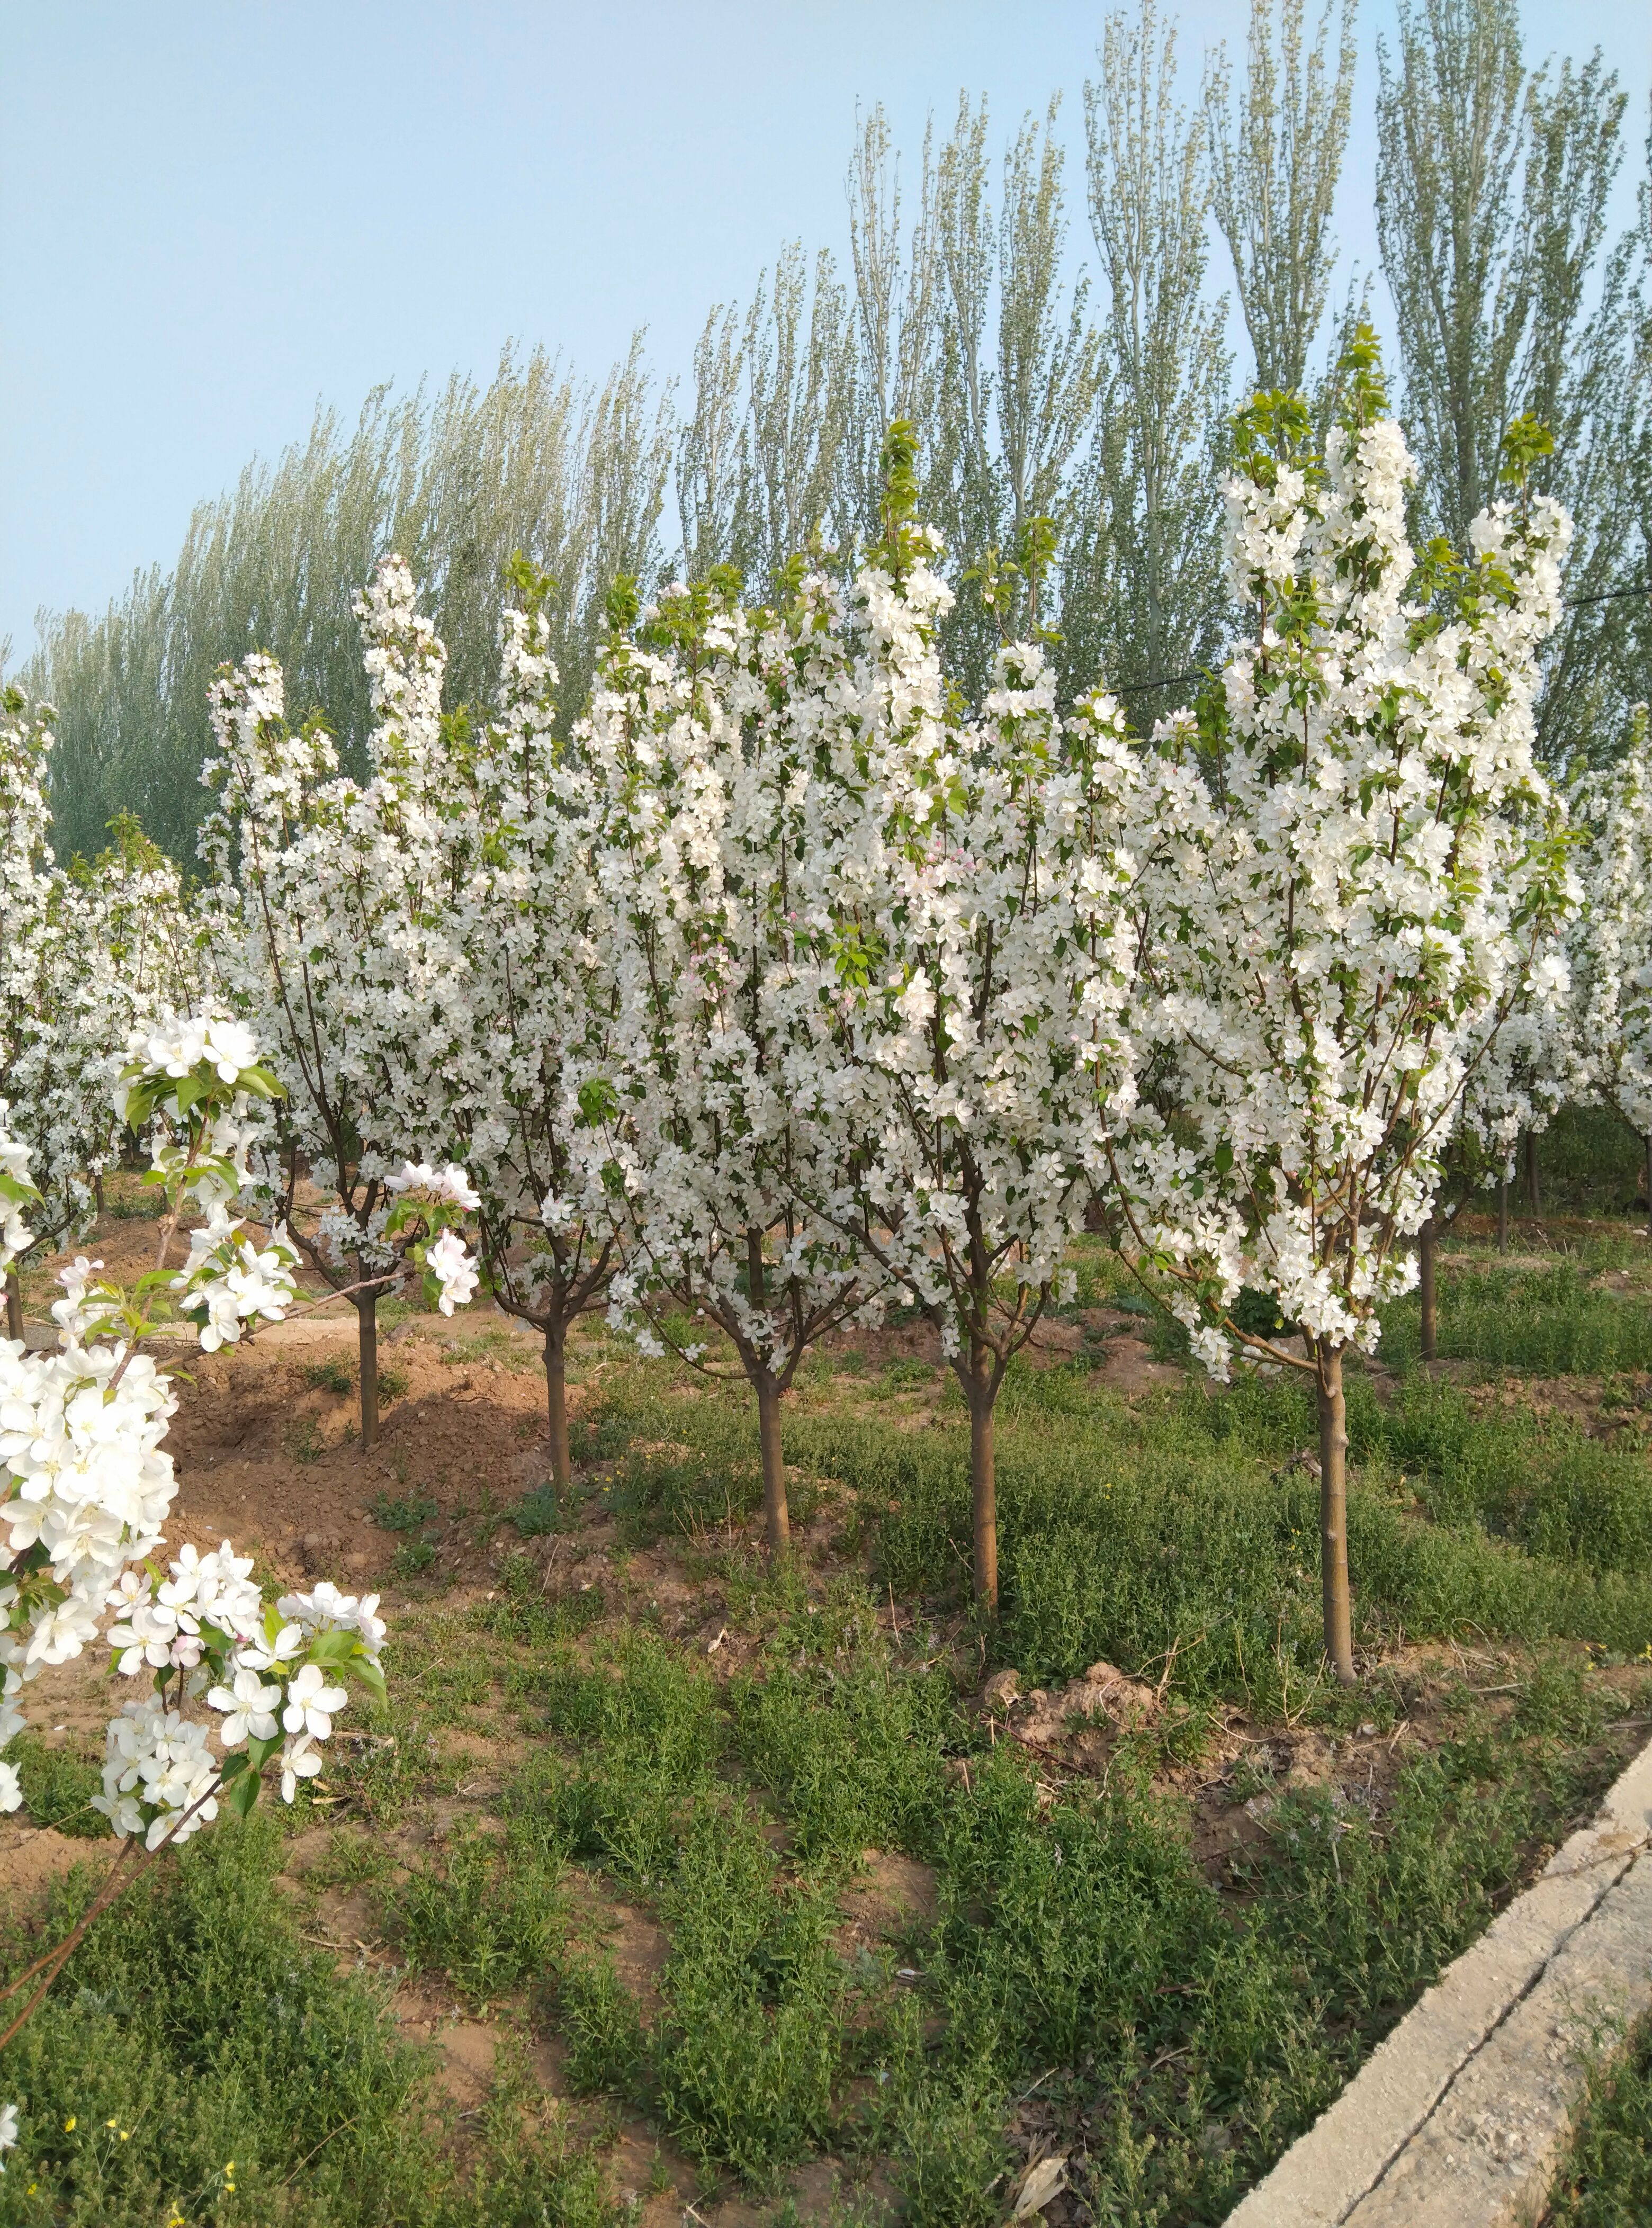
{"x": 216, "y": 213}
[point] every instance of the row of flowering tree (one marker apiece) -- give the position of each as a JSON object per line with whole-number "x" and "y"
{"x": 783, "y": 987}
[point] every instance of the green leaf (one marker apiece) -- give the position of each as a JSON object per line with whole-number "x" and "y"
{"x": 243, "y": 1794}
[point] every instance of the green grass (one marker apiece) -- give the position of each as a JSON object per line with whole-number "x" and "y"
{"x": 402, "y": 1512}
{"x": 1605, "y": 2180}
{"x": 1188, "y": 2036}
{"x": 484, "y": 1915}
{"x": 58, "y": 1786}
{"x": 195, "y": 2029}
{"x": 1544, "y": 1323}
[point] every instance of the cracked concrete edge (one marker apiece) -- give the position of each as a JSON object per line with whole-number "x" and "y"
{"x": 1487, "y": 2154}
{"x": 1356, "y": 2141}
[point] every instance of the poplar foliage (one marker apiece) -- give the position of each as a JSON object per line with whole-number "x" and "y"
{"x": 1043, "y": 299}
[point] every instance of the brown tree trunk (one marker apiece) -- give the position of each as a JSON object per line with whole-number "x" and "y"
{"x": 1648, "y": 1186}
{"x": 96, "y": 1190}
{"x": 1333, "y": 1515}
{"x": 1502, "y": 1214}
{"x": 367, "y": 1321}
{"x": 983, "y": 1490}
{"x": 1425, "y": 1289}
{"x": 777, "y": 1517}
{"x": 1533, "y": 1189}
{"x": 14, "y": 1305}
{"x": 556, "y": 1400}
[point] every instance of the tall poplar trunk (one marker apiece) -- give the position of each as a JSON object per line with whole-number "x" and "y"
{"x": 1425, "y": 1289}
{"x": 984, "y": 1485}
{"x": 1502, "y": 1214}
{"x": 1533, "y": 1189}
{"x": 367, "y": 1322}
{"x": 556, "y": 1400}
{"x": 1333, "y": 1515}
{"x": 776, "y": 1516}
{"x": 14, "y": 1305}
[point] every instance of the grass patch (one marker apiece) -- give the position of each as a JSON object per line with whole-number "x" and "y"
{"x": 58, "y": 1787}
{"x": 486, "y": 1916}
{"x": 402, "y": 1513}
{"x": 196, "y": 2028}
{"x": 1544, "y": 1323}
{"x": 1189, "y": 2037}
{"x": 1605, "y": 2180}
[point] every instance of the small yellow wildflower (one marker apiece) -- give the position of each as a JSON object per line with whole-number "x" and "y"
{"x": 69, "y": 2125}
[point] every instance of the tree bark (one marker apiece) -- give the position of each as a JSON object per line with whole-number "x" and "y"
{"x": 1502, "y": 1214}
{"x": 777, "y": 1517}
{"x": 556, "y": 1398}
{"x": 1534, "y": 1189}
{"x": 14, "y": 1305}
{"x": 1425, "y": 1288}
{"x": 1648, "y": 1186}
{"x": 984, "y": 1493}
{"x": 1333, "y": 1515}
{"x": 367, "y": 1320}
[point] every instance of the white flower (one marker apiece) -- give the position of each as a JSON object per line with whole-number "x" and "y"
{"x": 299, "y": 1761}
{"x": 448, "y": 1184}
{"x": 11, "y": 1794}
{"x": 251, "y": 1705}
{"x": 312, "y": 1704}
{"x": 8, "y": 2131}
{"x": 453, "y": 1270}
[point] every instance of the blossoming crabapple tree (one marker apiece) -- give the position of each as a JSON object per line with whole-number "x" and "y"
{"x": 977, "y": 901}
{"x": 715, "y": 1128}
{"x": 85, "y": 1486}
{"x": 321, "y": 888}
{"x": 517, "y": 1000}
{"x": 1334, "y": 918}
{"x": 62, "y": 1001}
{"x": 1609, "y": 1008}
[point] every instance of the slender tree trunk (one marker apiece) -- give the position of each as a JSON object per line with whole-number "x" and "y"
{"x": 367, "y": 1320}
{"x": 776, "y": 1516}
{"x": 983, "y": 1491}
{"x": 96, "y": 1190}
{"x": 1648, "y": 1186}
{"x": 14, "y": 1305}
{"x": 1502, "y": 1214}
{"x": 1425, "y": 1288}
{"x": 1333, "y": 1515}
{"x": 1534, "y": 1189}
{"x": 556, "y": 1391}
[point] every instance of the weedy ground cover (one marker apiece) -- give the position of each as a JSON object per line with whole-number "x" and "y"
{"x": 1606, "y": 2179}
{"x": 759, "y": 1901}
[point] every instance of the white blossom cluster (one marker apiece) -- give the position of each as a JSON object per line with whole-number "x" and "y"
{"x": 84, "y": 955}
{"x": 85, "y": 1486}
{"x": 1608, "y": 1021}
{"x": 1343, "y": 911}
{"x": 331, "y": 904}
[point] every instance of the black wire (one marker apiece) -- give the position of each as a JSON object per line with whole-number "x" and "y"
{"x": 1567, "y": 604}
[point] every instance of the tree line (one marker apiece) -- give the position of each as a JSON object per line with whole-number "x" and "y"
{"x": 1074, "y": 414}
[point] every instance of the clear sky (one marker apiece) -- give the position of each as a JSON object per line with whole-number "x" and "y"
{"x": 216, "y": 213}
